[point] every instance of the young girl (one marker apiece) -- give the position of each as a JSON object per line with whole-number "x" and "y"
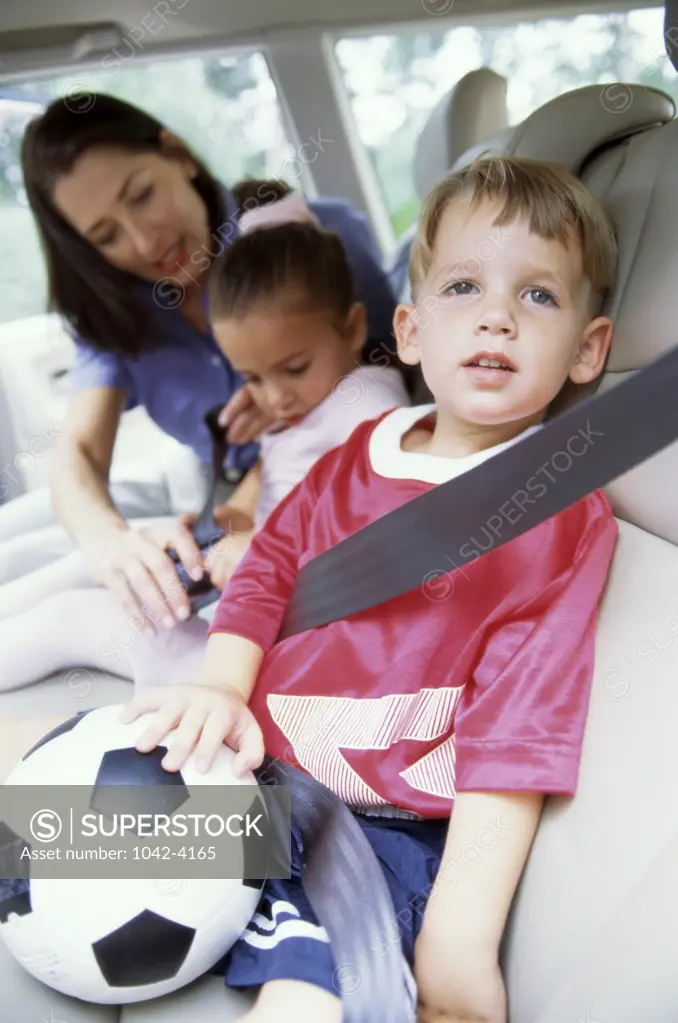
{"x": 284, "y": 313}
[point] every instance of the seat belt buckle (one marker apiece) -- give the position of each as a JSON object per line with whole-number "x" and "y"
{"x": 205, "y": 531}
{"x": 196, "y": 589}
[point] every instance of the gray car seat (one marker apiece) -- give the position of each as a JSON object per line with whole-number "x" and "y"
{"x": 474, "y": 109}
{"x": 594, "y": 928}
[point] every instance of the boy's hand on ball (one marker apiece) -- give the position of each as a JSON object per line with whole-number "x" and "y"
{"x": 204, "y": 718}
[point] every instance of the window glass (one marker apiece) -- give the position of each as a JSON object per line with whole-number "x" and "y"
{"x": 22, "y": 277}
{"x": 395, "y": 80}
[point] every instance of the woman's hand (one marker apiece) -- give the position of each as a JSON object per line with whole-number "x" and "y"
{"x": 242, "y": 419}
{"x": 205, "y": 717}
{"x": 135, "y": 566}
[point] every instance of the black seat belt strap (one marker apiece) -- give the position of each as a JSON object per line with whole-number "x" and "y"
{"x": 206, "y": 529}
{"x": 206, "y": 532}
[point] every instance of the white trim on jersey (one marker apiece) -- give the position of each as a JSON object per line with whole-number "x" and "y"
{"x": 388, "y": 459}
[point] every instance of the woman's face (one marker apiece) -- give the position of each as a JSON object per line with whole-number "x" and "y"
{"x": 139, "y": 210}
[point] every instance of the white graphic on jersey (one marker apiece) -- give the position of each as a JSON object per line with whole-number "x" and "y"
{"x": 319, "y": 727}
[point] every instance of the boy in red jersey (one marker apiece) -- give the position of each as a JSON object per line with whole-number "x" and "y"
{"x": 460, "y": 704}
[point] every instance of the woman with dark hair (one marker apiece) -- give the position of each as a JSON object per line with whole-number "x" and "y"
{"x": 131, "y": 222}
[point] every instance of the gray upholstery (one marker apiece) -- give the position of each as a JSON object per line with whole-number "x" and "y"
{"x": 595, "y": 924}
{"x": 586, "y": 120}
{"x": 24, "y": 1000}
{"x": 65, "y": 694}
{"x": 473, "y": 110}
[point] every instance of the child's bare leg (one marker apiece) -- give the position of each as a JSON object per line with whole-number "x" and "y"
{"x": 18, "y": 735}
{"x": 294, "y": 1001}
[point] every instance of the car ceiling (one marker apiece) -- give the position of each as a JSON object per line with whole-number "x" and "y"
{"x": 41, "y": 33}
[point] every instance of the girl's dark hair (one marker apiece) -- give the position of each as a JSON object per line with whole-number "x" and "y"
{"x": 104, "y": 305}
{"x": 252, "y": 192}
{"x": 298, "y": 256}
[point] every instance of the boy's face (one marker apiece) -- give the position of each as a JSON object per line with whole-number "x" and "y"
{"x": 501, "y": 295}
{"x": 292, "y": 356}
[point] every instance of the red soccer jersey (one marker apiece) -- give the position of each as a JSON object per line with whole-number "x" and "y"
{"x": 478, "y": 681}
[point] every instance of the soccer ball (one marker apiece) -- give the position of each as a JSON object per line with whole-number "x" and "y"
{"x": 109, "y": 940}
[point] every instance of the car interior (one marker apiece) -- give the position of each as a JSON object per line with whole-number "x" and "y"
{"x": 407, "y": 91}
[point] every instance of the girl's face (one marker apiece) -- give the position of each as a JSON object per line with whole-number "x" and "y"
{"x": 292, "y": 355}
{"x": 139, "y": 210}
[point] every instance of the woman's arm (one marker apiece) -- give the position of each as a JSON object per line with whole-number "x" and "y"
{"x": 129, "y": 562}
{"x": 80, "y": 474}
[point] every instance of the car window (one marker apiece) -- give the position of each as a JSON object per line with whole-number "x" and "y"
{"x": 395, "y": 79}
{"x": 226, "y": 107}
{"x": 22, "y": 278}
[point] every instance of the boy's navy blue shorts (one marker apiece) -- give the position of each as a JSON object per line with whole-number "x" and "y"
{"x": 284, "y": 939}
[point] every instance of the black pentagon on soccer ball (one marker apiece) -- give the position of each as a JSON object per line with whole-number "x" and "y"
{"x": 157, "y": 790}
{"x": 14, "y": 864}
{"x": 15, "y": 897}
{"x": 61, "y": 729}
{"x": 146, "y": 950}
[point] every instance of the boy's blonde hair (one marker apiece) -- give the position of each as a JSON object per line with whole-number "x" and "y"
{"x": 546, "y": 193}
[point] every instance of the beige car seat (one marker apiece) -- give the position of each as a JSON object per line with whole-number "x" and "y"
{"x": 594, "y": 928}
{"x": 472, "y": 111}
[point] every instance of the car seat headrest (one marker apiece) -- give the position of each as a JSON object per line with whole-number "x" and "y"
{"x": 473, "y": 110}
{"x": 588, "y": 119}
